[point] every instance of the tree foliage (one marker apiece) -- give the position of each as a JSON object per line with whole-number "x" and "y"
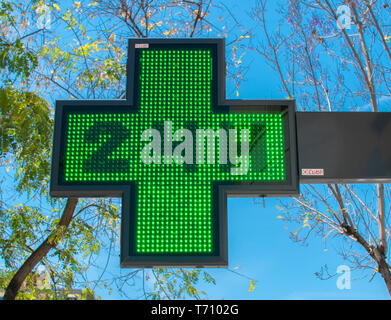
{"x": 78, "y": 52}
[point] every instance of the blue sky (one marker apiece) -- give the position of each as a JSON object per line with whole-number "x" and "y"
{"x": 260, "y": 245}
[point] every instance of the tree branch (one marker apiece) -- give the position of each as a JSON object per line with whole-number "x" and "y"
{"x": 49, "y": 243}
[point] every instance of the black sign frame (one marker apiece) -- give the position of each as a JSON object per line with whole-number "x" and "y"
{"x": 128, "y": 191}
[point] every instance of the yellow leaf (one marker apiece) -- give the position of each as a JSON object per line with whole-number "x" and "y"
{"x": 252, "y": 287}
{"x": 56, "y": 7}
{"x": 305, "y": 222}
{"x": 8, "y": 169}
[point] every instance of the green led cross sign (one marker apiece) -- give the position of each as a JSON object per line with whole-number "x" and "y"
{"x": 174, "y": 150}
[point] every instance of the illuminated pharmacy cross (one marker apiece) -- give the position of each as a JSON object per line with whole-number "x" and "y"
{"x": 175, "y": 210}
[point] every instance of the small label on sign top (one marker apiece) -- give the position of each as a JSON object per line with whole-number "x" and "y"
{"x": 142, "y": 45}
{"x": 312, "y": 172}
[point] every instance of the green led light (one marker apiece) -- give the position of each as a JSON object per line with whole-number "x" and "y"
{"x": 174, "y": 207}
